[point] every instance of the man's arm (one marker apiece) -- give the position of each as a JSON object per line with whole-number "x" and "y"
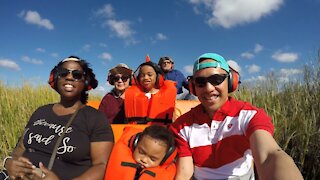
{"x": 271, "y": 161}
{"x": 184, "y": 168}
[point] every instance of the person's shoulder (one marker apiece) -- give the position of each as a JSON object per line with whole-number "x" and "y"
{"x": 241, "y": 104}
{"x": 90, "y": 110}
{"x": 46, "y": 107}
{"x": 108, "y": 95}
{"x": 176, "y": 71}
{"x": 44, "y": 110}
{"x": 92, "y": 114}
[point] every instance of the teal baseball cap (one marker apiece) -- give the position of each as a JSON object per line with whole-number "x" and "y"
{"x": 219, "y": 62}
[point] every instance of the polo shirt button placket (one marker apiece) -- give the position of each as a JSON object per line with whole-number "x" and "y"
{"x": 213, "y": 130}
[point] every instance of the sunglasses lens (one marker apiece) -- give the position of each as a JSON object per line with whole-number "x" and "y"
{"x": 214, "y": 80}
{"x": 63, "y": 73}
{"x": 123, "y": 78}
{"x": 77, "y": 74}
{"x": 200, "y": 81}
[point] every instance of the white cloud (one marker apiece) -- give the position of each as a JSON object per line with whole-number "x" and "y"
{"x": 10, "y": 64}
{"x": 40, "y": 50}
{"x": 161, "y": 36}
{"x": 121, "y": 28}
{"x": 106, "y": 56}
{"x": 33, "y": 17}
{"x": 257, "y": 78}
{"x": 188, "y": 69}
{"x": 258, "y": 48}
{"x": 103, "y": 45}
{"x": 86, "y": 47}
{"x": 98, "y": 91}
{"x": 100, "y": 88}
{"x": 290, "y": 72}
{"x": 229, "y": 13}
{"x": 247, "y": 55}
{"x": 234, "y": 65}
{"x": 286, "y": 57}
{"x": 106, "y": 11}
{"x": 253, "y": 68}
{"x": 31, "y": 60}
{"x": 54, "y": 55}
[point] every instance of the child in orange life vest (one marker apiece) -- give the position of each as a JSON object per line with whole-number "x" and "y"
{"x": 142, "y": 155}
{"x": 152, "y": 98}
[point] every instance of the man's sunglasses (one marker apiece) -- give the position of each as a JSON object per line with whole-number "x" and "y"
{"x": 166, "y": 62}
{"x": 124, "y": 78}
{"x": 76, "y": 74}
{"x": 214, "y": 79}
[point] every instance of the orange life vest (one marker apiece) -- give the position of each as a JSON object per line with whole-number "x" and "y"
{"x": 121, "y": 164}
{"x": 159, "y": 108}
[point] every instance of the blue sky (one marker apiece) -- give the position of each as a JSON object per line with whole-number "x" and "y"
{"x": 256, "y": 37}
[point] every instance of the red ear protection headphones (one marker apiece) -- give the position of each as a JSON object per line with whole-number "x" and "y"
{"x": 233, "y": 81}
{"x": 51, "y": 80}
{"x": 167, "y": 159}
{"x": 159, "y": 79}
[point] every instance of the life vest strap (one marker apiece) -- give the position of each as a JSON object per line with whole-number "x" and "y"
{"x": 130, "y": 164}
{"x": 139, "y": 171}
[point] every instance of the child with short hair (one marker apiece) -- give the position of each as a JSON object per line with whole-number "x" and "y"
{"x": 151, "y": 98}
{"x": 149, "y": 154}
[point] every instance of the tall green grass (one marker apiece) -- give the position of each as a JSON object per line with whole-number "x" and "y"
{"x": 294, "y": 108}
{"x": 16, "y": 106}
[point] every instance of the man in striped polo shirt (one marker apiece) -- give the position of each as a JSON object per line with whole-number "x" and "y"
{"x": 222, "y": 137}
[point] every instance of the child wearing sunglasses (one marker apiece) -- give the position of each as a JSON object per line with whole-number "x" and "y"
{"x": 112, "y": 104}
{"x": 86, "y": 144}
{"x": 222, "y": 137}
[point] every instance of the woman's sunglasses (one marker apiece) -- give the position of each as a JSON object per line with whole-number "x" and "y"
{"x": 214, "y": 79}
{"x": 76, "y": 74}
{"x": 124, "y": 78}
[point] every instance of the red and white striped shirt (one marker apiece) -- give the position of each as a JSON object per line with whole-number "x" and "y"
{"x": 220, "y": 146}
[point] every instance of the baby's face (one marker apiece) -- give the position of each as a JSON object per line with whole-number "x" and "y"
{"x": 149, "y": 152}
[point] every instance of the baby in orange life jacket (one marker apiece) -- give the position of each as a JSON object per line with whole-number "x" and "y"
{"x": 149, "y": 154}
{"x": 152, "y": 98}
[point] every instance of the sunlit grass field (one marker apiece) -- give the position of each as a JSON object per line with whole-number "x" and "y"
{"x": 294, "y": 108}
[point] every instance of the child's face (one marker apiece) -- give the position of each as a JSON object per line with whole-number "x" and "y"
{"x": 149, "y": 152}
{"x": 147, "y": 77}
